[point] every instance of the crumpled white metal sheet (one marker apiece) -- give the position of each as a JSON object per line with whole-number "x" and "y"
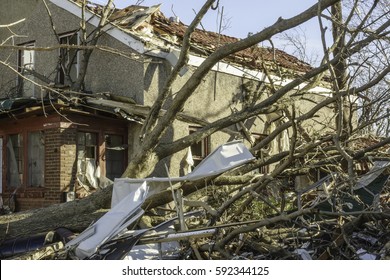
{"x": 111, "y": 224}
{"x": 222, "y": 159}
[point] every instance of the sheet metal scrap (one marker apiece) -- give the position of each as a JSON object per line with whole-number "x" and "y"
{"x": 108, "y": 237}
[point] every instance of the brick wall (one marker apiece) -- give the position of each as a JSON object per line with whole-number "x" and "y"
{"x": 60, "y": 153}
{"x": 52, "y": 166}
{"x": 68, "y": 159}
{"x": 26, "y": 203}
{"x": 60, "y": 159}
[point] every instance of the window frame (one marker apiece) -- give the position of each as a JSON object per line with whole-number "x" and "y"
{"x": 205, "y": 143}
{"x": 82, "y": 163}
{"x": 106, "y": 150}
{"x": 22, "y": 83}
{"x": 61, "y": 75}
{"x": 24, "y": 175}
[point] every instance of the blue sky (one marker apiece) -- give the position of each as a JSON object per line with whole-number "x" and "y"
{"x": 243, "y": 16}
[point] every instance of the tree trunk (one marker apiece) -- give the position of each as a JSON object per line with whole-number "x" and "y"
{"x": 75, "y": 215}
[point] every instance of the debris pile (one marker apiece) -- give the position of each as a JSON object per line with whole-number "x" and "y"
{"x": 305, "y": 238}
{"x": 319, "y": 227}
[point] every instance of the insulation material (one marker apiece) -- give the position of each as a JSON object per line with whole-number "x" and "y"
{"x": 86, "y": 169}
{"x": 103, "y": 181}
{"x": 189, "y": 161}
{"x": 90, "y": 173}
{"x": 13, "y": 178}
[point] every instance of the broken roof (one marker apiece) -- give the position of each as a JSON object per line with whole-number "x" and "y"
{"x": 24, "y": 107}
{"x": 147, "y": 22}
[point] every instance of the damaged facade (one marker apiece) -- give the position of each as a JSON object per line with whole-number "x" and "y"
{"x": 55, "y": 147}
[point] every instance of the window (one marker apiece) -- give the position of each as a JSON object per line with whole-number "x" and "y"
{"x": 36, "y": 159}
{"x": 26, "y": 62}
{"x": 87, "y": 147}
{"x": 68, "y": 71}
{"x": 114, "y": 156}
{"x": 200, "y": 149}
{"x": 25, "y": 160}
{"x": 15, "y": 161}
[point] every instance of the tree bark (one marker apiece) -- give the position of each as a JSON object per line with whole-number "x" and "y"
{"x": 75, "y": 215}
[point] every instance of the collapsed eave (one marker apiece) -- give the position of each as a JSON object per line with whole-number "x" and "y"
{"x": 22, "y": 108}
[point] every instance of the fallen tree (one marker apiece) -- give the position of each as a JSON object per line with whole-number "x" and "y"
{"x": 77, "y": 215}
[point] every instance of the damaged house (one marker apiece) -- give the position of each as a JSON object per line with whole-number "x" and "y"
{"x": 57, "y": 145}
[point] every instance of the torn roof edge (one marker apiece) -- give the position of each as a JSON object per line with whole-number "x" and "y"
{"x": 204, "y": 39}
